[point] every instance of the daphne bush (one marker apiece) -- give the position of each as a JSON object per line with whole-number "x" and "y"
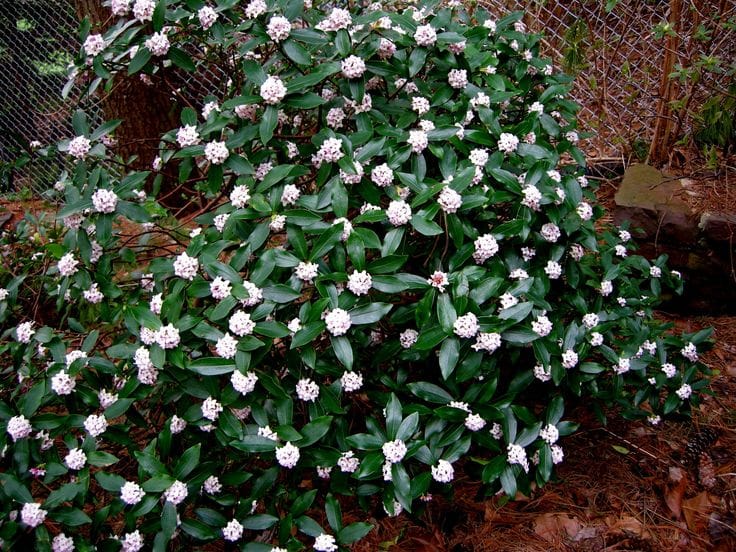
{"x": 401, "y": 274}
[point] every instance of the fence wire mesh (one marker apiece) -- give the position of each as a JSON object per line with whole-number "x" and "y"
{"x": 618, "y": 66}
{"x": 37, "y": 42}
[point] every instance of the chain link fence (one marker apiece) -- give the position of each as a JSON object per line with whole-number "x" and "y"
{"x": 37, "y": 42}
{"x": 622, "y": 67}
{"x": 620, "y": 71}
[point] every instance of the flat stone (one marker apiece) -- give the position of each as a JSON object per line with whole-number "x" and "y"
{"x": 718, "y": 227}
{"x": 651, "y": 201}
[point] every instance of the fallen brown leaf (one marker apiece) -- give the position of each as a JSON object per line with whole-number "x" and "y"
{"x": 552, "y": 527}
{"x": 697, "y": 511}
{"x": 675, "y": 491}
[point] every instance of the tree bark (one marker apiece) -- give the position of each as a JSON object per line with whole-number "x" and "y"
{"x": 147, "y": 111}
{"x": 663, "y": 136}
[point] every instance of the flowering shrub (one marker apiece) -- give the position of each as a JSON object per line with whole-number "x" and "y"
{"x": 398, "y": 277}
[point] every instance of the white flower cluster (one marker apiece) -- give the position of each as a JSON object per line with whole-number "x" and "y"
{"x": 325, "y": 543}
{"x": 347, "y": 462}
{"x": 62, "y": 543}
{"x": 338, "y": 19}
{"x": 474, "y": 422}
{"x": 466, "y": 325}
{"x": 290, "y": 195}
{"x": 407, "y": 338}
{"x": 353, "y": 67}
{"x": 443, "y": 472}
{"x": 382, "y": 175}
{"x": 394, "y": 451}
{"x": 255, "y": 294}
{"x": 550, "y": 232}
{"x": 243, "y": 383}
{"x": 131, "y": 493}
{"x": 278, "y": 28}
{"x": 569, "y": 359}
{"x": 187, "y": 136}
{"x": 307, "y": 390}
{"x": 418, "y": 140}
{"x": 532, "y": 197}
{"x": 487, "y": 341}
{"x": 542, "y": 326}
{"x": 351, "y": 381}
{"x": 287, "y": 456}
{"x": 212, "y": 485}
{"x": 176, "y": 493}
{"x": 449, "y": 200}
{"x": 684, "y": 391}
{"x": 220, "y": 288}
{"x": 19, "y": 427}
{"x": 226, "y": 346}
{"x": 207, "y": 17}
{"x": 549, "y": 434}
{"x": 486, "y": 247}
{"x": 120, "y": 7}
{"x": 273, "y": 90}
{"x": 306, "y": 271}
{"x": 216, "y": 152}
{"x": 158, "y": 44}
{"x": 398, "y": 212}
{"x": 143, "y": 10}
{"x": 360, "y": 282}
{"x": 211, "y": 409}
{"x": 241, "y": 324}
{"x": 32, "y": 514}
{"x": 233, "y": 531}
{"x": 24, "y": 332}
{"x": 438, "y": 280}
{"x": 167, "y": 337}
{"x": 425, "y": 35}
{"x": 331, "y": 150}
{"x": 517, "y": 455}
{"x": 458, "y": 78}
{"x": 255, "y": 8}
{"x": 95, "y": 425}
{"x": 94, "y": 44}
{"x": 62, "y": 383}
{"x": 132, "y": 542}
{"x": 79, "y": 147}
{"x": 508, "y": 143}
{"x": 186, "y": 267}
{"x": 690, "y": 352}
{"x": 338, "y": 321}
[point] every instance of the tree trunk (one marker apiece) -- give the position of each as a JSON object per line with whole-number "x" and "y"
{"x": 146, "y": 110}
{"x": 663, "y": 136}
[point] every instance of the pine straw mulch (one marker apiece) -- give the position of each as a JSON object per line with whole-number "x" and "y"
{"x": 627, "y": 486}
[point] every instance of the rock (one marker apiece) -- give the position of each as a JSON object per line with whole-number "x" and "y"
{"x": 718, "y": 227}
{"x": 651, "y": 201}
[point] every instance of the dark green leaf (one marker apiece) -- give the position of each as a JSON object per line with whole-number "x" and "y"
{"x": 268, "y": 124}
{"x": 449, "y": 355}
{"x": 343, "y": 351}
{"x": 212, "y": 366}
